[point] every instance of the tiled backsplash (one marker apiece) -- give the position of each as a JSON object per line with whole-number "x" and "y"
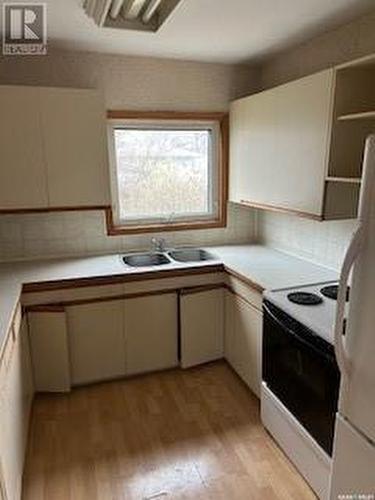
{"x": 61, "y": 234}
{"x": 321, "y": 242}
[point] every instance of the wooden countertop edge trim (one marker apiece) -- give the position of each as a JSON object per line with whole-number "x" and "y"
{"x": 116, "y": 279}
{"x": 234, "y": 292}
{"x": 144, "y": 276}
{"x": 58, "y": 307}
{"x": 107, "y": 280}
{"x": 245, "y": 280}
{"x": 202, "y": 288}
{"x": 61, "y": 305}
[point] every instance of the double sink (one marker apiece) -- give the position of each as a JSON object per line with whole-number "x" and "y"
{"x": 151, "y": 259}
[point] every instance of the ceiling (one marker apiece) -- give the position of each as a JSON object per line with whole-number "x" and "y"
{"x": 206, "y": 30}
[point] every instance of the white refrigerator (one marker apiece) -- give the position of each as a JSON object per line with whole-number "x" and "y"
{"x": 353, "y": 469}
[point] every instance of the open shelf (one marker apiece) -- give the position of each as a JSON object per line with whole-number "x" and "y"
{"x": 357, "y": 116}
{"x": 348, "y": 180}
{"x": 341, "y": 199}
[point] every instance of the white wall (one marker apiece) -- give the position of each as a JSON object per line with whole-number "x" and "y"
{"x": 322, "y": 242}
{"x": 127, "y": 83}
{"x": 348, "y": 42}
{"x": 136, "y": 82}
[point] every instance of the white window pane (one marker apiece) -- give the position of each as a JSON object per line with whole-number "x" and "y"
{"x": 163, "y": 173}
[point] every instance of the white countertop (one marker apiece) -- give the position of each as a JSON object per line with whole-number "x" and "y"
{"x": 263, "y": 266}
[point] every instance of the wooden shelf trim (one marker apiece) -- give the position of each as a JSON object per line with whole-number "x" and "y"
{"x": 40, "y": 210}
{"x": 120, "y": 114}
{"x": 348, "y": 180}
{"x": 284, "y": 210}
{"x": 357, "y": 116}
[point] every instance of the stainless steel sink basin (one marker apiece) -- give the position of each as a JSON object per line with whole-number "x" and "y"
{"x": 146, "y": 259}
{"x": 190, "y": 255}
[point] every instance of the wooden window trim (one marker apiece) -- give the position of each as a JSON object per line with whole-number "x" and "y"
{"x": 221, "y": 221}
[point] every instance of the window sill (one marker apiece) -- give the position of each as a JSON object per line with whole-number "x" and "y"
{"x": 114, "y": 230}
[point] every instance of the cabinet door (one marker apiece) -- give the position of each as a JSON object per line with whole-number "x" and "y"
{"x": 96, "y": 341}
{"x": 202, "y": 327}
{"x": 151, "y": 333}
{"x": 27, "y": 381}
{"x": 279, "y": 145}
{"x": 75, "y": 144}
{"x": 229, "y": 333}
{"x": 49, "y": 351}
{"x": 23, "y": 181}
{"x": 12, "y": 433}
{"x": 244, "y": 347}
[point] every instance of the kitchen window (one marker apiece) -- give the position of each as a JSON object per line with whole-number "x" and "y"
{"x": 169, "y": 171}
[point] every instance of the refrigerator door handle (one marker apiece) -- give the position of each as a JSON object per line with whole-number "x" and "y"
{"x": 349, "y": 260}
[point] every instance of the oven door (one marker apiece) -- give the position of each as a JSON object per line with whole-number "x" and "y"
{"x": 301, "y": 371}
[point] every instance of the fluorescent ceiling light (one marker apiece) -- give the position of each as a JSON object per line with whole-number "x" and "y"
{"x": 141, "y": 15}
{"x": 133, "y": 9}
{"x": 150, "y": 10}
{"x": 116, "y": 8}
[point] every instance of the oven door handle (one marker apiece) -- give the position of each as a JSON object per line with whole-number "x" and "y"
{"x": 293, "y": 334}
{"x": 354, "y": 249}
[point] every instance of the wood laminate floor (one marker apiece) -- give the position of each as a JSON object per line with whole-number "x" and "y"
{"x": 192, "y": 434}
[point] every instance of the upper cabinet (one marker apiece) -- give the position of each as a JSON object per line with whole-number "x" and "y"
{"x": 23, "y": 183}
{"x": 73, "y": 124}
{"x": 53, "y": 149}
{"x": 298, "y": 147}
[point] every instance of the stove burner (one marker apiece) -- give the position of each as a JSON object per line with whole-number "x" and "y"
{"x": 305, "y": 299}
{"x": 332, "y": 292}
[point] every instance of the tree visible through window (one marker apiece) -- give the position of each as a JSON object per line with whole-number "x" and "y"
{"x": 166, "y": 172}
{"x": 163, "y": 173}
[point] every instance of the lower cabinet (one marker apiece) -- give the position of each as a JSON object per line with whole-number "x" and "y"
{"x": 151, "y": 333}
{"x": 110, "y": 339}
{"x": 49, "y": 349}
{"x": 243, "y": 340}
{"x": 96, "y": 341}
{"x": 16, "y": 399}
{"x": 201, "y": 326}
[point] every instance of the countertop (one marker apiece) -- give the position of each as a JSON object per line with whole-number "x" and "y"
{"x": 266, "y": 268}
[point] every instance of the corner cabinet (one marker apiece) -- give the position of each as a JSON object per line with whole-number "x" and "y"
{"x": 298, "y": 147}
{"x": 53, "y": 149}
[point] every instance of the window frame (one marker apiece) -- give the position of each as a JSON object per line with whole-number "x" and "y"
{"x": 218, "y": 122}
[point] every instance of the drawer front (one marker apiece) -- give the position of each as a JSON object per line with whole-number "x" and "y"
{"x": 251, "y": 295}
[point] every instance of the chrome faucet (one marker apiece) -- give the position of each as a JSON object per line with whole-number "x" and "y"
{"x": 158, "y": 244}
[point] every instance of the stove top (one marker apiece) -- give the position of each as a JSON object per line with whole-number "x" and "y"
{"x": 332, "y": 291}
{"x": 304, "y": 298}
{"x": 314, "y": 306}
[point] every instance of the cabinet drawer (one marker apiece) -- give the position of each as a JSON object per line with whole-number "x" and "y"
{"x": 251, "y": 295}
